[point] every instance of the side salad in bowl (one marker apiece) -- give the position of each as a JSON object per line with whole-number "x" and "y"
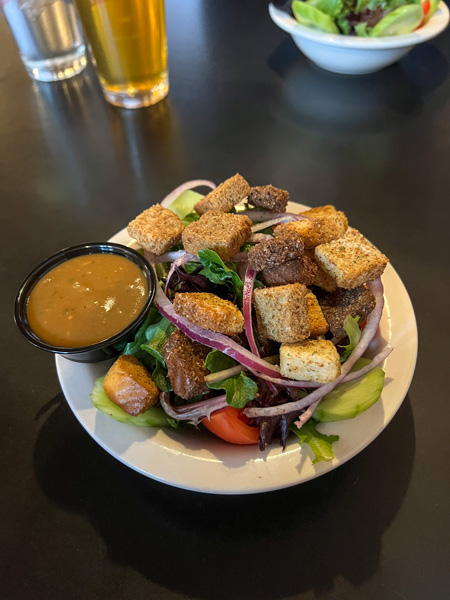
{"x": 364, "y": 18}
{"x": 260, "y": 322}
{"x": 357, "y": 37}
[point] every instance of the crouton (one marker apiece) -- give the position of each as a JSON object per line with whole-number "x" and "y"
{"x": 351, "y": 260}
{"x": 324, "y": 281}
{"x": 224, "y": 233}
{"x": 210, "y": 312}
{"x": 185, "y": 365}
{"x": 157, "y": 229}
{"x": 323, "y": 225}
{"x": 282, "y": 312}
{"x": 343, "y": 303}
{"x": 129, "y": 385}
{"x": 298, "y": 270}
{"x": 321, "y": 279}
{"x": 275, "y": 251}
{"x": 225, "y": 196}
{"x": 270, "y": 197}
{"x": 318, "y": 325}
{"x": 310, "y": 360}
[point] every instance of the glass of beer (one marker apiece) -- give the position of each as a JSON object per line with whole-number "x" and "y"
{"x": 128, "y": 43}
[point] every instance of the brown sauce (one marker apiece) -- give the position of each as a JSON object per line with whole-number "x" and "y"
{"x": 86, "y": 300}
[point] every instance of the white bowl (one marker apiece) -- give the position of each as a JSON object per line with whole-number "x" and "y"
{"x": 353, "y": 55}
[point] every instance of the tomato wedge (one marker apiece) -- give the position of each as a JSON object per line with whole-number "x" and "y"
{"x": 426, "y": 9}
{"x": 229, "y": 424}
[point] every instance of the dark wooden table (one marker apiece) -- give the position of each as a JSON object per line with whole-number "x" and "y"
{"x": 77, "y": 524}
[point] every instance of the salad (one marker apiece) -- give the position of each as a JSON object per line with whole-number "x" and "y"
{"x": 364, "y": 18}
{"x": 260, "y": 320}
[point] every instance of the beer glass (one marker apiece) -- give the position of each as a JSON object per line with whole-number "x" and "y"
{"x": 128, "y": 43}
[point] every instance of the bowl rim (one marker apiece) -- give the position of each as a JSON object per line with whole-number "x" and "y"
{"x": 27, "y": 285}
{"x": 434, "y": 27}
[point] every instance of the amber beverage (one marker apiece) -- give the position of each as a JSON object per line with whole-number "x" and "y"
{"x": 128, "y": 41}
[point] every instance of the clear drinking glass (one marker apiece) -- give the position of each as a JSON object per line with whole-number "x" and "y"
{"x": 128, "y": 42}
{"x": 49, "y": 37}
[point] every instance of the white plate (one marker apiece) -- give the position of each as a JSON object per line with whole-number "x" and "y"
{"x": 198, "y": 461}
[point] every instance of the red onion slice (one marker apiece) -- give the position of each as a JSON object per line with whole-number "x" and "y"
{"x": 263, "y": 215}
{"x": 192, "y": 412}
{"x": 177, "y": 263}
{"x": 288, "y": 382}
{"x": 255, "y": 238}
{"x": 377, "y": 360}
{"x": 249, "y": 282}
{"x": 284, "y": 219}
{"x": 226, "y": 373}
{"x": 376, "y": 287}
{"x": 210, "y": 338}
{"x": 166, "y": 257}
{"x": 188, "y": 185}
{"x": 240, "y": 257}
{"x": 307, "y": 414}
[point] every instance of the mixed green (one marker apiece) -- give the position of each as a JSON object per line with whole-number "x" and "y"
{"x": 364, "y": 18}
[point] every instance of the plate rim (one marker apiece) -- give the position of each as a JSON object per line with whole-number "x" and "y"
{"x": 262, "y": 468}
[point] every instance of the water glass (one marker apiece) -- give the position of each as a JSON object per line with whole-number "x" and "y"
{"x": 49, "y": 37}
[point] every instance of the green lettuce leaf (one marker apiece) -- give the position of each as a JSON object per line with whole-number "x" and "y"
{"x": 433, "y": 8}
{"x": 190, "y": 218}
{"x": 160, "y": 378}
{"x": 361, "y": 30}
{"x": 310, "y": 16}
{"x": 354, "y": 335}
{"x": 400, "y": 21}
{"x": 320, "y": 444}
{"x": 239, "y": 389}
{"x": 333, "y": 8}
{"x": 134, "y": 347}
{"x": 153, "y": 417}
{"x": 217, "y": 361}
{"x": 217, "y": 272}
{"x": 156, "y": 335}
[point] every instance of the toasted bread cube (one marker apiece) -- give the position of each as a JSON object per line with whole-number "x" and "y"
{"x": 210, "y": 312}
{"x": 222, "y": 232}
{"x": 270, "y": 197}
{"x": 129, "y": 385}
{"x": 321, "y": 279}
{"x": 185, "y": 360}
{"x": 282, "y": 312}
{"x": 324, "y": 281}
{"x": 351, "y": 260}
{"x": 323, "y": 224}
{"x": 336, "y": 307}
{"x": 318, "y": 325}
{"x": 225, "y": 196}
{"x": 310, "y": 360}
{"x": 157, "y": 229}
{"x": 298, "y": 270}
{"x": 275, "y": 251}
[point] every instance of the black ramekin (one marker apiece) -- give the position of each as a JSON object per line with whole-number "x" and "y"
{"x": 108, "y": 348}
